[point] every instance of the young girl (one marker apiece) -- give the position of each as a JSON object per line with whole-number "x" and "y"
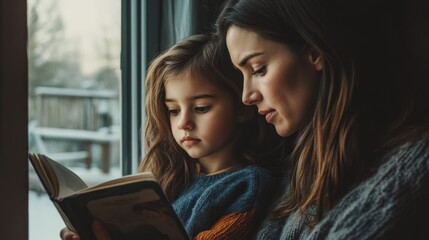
{"x": 200, "y": 142}
{"x": 199, "y": 139}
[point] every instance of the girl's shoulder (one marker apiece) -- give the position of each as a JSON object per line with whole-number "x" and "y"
{"x": 254, "y": 174}
{"x": 256, "y": 169}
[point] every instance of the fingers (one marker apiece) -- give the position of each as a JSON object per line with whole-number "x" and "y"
{"x": 100, "y": 231}
{"x": 67, "y": 234}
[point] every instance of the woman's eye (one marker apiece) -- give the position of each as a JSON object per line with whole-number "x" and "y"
{"x": 202, "y": 109}
{"x": 259, "y": 71}
{"x": 173, "y": 112}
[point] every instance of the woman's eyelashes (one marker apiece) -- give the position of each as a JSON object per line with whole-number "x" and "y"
{"x": 260, "y": 71}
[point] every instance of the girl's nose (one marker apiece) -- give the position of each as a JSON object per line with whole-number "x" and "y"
{"x": 185, "y": 121}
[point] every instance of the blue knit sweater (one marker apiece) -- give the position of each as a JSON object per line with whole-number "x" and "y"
{"x": 225, "y": 205}
{"x": 391, "y": 204}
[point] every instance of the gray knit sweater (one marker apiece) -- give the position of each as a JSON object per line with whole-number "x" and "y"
{"x": 391, "y": 204}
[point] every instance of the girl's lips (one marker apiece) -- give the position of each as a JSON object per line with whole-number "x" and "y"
{"x": 188, "y": 142}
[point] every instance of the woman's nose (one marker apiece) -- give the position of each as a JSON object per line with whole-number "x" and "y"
{"x": 185, "y": 121}
{"x": 250, "y": 94}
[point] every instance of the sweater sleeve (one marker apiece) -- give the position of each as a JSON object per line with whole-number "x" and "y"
{"x": 232, "y": 226}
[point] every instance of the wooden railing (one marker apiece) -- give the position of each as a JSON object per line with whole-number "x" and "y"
{"x": 76, "y": 108}
{"x": 70, "y": 122}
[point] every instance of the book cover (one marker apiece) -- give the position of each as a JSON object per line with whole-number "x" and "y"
{"x": 131, "y": 207}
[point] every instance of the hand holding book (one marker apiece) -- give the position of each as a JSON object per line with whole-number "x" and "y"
{"x": 99, "y": 230}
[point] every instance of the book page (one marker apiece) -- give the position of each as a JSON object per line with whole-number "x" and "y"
{"x": 47, "y": 180}
{"x": 138, "y": 177}
{"x": 68, "y": 181}
{"x": 137, "y": 214}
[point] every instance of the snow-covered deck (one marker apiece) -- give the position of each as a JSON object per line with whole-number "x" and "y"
{"x": 45, "y": 222}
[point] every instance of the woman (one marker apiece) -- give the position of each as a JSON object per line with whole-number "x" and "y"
{"x": 318, "y": 71}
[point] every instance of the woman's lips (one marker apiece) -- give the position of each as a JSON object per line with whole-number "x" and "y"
{"x": 269, "y": 115}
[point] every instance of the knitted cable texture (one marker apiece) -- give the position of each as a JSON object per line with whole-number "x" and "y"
{"x": 225, "y": 205}
{"x": 391, "y": 204}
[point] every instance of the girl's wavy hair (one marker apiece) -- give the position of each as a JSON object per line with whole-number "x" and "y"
{"x": 350, "y": 123}
{"x": 203, "y": 56}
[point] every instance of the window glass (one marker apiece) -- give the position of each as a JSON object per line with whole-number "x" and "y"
{"x": 74, "y": 96}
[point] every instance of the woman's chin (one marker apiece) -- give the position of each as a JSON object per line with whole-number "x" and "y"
{"x": 284, "y": 131}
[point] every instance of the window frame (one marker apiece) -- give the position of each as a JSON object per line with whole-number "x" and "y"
{"x": 14, "y": 120}
{"x": 140, "y": 44}
{"x": 131, "y": 48}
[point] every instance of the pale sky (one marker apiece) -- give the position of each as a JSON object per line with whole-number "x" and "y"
{"x": 89, "y": 22}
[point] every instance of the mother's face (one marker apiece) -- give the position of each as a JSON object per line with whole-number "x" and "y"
{"x": 280, "y": 83}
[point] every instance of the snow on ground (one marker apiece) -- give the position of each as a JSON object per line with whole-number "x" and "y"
{"x": 45, "y": 222}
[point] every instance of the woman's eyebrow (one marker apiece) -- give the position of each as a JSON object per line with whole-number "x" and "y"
{"x": 247, "y": 57}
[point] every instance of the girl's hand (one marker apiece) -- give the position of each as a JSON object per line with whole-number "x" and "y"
{"x": 67, "y": 234}
{"x": 98, "y": 229}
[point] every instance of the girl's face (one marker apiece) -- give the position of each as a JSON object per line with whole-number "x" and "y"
{"x": 280, "y": 83}
{"x": 203, "y": 120}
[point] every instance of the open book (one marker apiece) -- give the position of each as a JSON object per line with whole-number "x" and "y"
{"x": 131, "y": 207}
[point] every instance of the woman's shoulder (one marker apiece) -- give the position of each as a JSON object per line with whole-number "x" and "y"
{"x": 403, "y": 169}
{"x": 390, "y": 201}
{"x": 412, "y": 155}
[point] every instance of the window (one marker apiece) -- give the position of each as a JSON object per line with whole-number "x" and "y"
{"x": 74, "y": 96}
{"x": 87, "y": 63}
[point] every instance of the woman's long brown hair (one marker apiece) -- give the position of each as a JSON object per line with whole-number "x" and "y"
{"x": 359, "y": 114}
{"x": 202, "y": 55}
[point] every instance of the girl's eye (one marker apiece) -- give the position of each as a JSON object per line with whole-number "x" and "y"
{"x": 173, "y": 112}
{"x": 202, "y": 109}
{"x": 259, "y": 71}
